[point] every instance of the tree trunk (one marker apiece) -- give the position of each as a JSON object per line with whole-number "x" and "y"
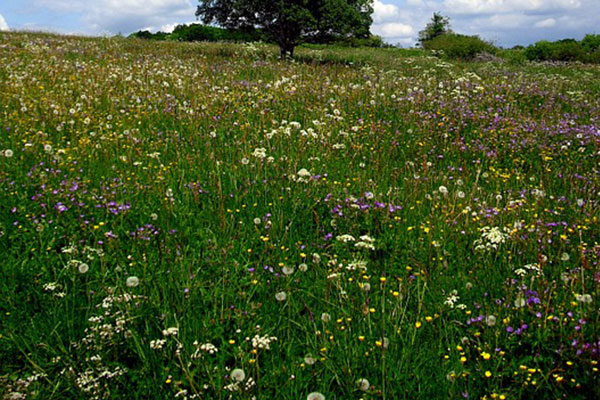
{"x": 286, "y": 50}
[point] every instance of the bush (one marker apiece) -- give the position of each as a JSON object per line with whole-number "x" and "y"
{"x": 591, "y": 43}
{"x": 464, "y": 47}
{"x": 587, "y": 50}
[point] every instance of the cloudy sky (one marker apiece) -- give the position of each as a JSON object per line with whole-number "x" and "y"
{"x": 505, "y": 22}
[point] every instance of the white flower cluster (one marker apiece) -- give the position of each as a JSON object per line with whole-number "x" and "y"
{"x": 584, "y": 298}
{"x": 357, "y": 264}
{"x": 263, "y": 342}
{"x": 345, "y": 238}
{"x": 172, "y": 331}
{"x": 535, "y": 268}
{"x": 452, "y": 299}
{"x": 490, "y": 239}
{"x": 304, "y": 175}
{"x": 260, "y": 153}
{"x": 54, "y": 288}
{"x": 203, "y": 348}
{"x": 366, "y": 242}
{"x": 157, "y": 344}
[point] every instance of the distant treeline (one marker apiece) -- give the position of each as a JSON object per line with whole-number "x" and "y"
{"x": 587, "y": 50}
{"x": 456, "y": 46}
{"x": 205, "y": 33}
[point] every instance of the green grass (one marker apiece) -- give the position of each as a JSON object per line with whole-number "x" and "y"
{"x": 225, "y": 181}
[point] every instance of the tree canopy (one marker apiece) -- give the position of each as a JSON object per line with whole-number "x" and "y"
{"x": 436, "y": 27}
{"x": 289, "y": 22}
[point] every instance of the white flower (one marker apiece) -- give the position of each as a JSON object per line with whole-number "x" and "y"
{"x": 302, "y": 267}
{"x": 565, "y": 257}
{"x": 238, "y": 374}
{"x": 303, "y": 173}
{"x": 316, "y": 258}
{"x": 83, "y": 268}
{"x": 256, "y": 221}
{"x": 325, "y": 317}
{"x": 363, "y": 384}
{"x": 490, "y": 320}
{"x": 309, "y": 359}
{"x": 281, "y": 296}
{"x": 132, "y": 281}
{"x": 580, "y": 202}
{"x": 245, "y": 161}
{"x": 315, "y": 396}
{"x": 173, "y": 331}
{"x": 153, "y": 216}
{"x": 8, "y": 153}
{"x": 48, "y": 148}
{"x": 157, "y": 344}
{"x": 287, "y": 270}
{"x": 584, "y": 298}
{"x": 260, "y": 152}
{"x": 345, "y": 238}
{"x": 263, "y": 342}
{"x": 443, "y": 190}
{"x": 520, "y": 302}
{"x": 460, "y": 194}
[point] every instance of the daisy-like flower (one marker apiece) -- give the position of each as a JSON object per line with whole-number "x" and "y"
{"x": 315, "y": 396}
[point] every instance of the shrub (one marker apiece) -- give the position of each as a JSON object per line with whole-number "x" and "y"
{"x": 459, "y": 46}
{"x": 591, "y": 43}
{"x": 587, "y": 50}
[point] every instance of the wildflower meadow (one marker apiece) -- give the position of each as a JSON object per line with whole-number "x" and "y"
{"x": 205, "y": 221}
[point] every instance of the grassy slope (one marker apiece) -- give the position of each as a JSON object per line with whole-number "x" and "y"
{"x": 140, "y": 159}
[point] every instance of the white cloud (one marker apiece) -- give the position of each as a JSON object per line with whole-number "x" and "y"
{"x": 3, "y": 24}
{"x": 546, "y": 23}
{"x": 473, "y": 7}
{"x": 383, "y": 12}
{"x": 125, "y": 16}
{"x": 393, "y": 29}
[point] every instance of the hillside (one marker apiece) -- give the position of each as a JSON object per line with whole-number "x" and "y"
{"x": 204, "y": 221}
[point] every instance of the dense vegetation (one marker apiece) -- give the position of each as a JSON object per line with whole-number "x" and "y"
{"x": 458, "y": 46}
{"x": 205, "y": 221}
{"x": 587, "y": 50}
{"x": 205, "y": 33}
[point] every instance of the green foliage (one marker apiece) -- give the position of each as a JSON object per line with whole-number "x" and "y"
{"x": 167, "y": 208}
{"x": 459, "y": 46}
{"x": 149, "y": 35}
{"x": 202, "y": 33}
{"x": 586, "y": 50}
{"x": 438, "y": 25}
{"x": 290, "y": 22}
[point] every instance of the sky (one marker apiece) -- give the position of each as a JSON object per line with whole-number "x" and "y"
{"x": 504, "y": 22}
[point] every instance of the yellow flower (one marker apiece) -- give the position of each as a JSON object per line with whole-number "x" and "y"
{"x": 488, "y": 374}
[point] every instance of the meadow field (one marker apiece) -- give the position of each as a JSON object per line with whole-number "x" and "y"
{"x": 205, "y": 221}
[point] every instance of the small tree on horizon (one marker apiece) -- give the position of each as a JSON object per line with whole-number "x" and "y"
{"x": 436, "y": 27}
{"x": 289, "y": 22}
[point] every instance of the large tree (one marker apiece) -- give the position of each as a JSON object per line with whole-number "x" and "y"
{"x": 288, "y": 22}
